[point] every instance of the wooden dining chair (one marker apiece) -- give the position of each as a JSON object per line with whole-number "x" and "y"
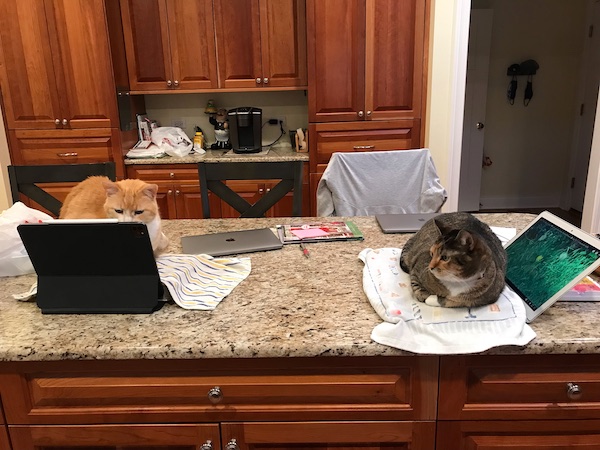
{"x": 213, "y": 175}
{"x": 25, "y": 180}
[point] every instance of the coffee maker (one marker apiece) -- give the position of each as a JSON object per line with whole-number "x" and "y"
{"x": 245, "y": 129}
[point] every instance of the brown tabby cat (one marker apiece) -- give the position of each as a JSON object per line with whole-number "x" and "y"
{"x": 457, "y": 258}
{"x": 126, "y": 200}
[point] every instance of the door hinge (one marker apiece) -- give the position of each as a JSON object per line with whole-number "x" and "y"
{"x": 572, "y": 182}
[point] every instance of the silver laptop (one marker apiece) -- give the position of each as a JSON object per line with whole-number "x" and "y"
{"x": 403, "y": 223}
{"x": 547, "y": 259}
{"x": 231, "y": 242}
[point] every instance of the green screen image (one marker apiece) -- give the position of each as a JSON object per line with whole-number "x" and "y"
{"x": 544, "y": 260}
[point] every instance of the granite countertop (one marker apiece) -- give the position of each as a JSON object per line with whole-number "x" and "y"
{"x": 274, "y": 154}
{"x": 289, "y": 306}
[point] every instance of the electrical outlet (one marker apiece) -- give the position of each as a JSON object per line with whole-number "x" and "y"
{"x": 278, "y": 119}
{"x": 178, "y": 122}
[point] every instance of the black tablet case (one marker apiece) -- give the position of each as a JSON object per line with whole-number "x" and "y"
{"x": 85, "y": 268}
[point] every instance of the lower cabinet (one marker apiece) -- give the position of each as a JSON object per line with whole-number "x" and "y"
{"x": 299, "y": 403}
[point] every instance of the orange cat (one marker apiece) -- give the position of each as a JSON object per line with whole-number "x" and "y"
{"x": 126, "y": 200}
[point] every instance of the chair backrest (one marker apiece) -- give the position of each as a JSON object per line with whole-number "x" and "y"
{"x": 26, "y": 179}
{"x": 212, "y": 177}
{"x": 382, "y": 182}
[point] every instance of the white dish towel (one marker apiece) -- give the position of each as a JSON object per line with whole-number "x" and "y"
{"x": 416, "y": 327}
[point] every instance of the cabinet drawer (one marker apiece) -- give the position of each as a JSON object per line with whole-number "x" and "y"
{"x": 30, "y": 147}
{"x": 359, "y": 136}
{"x": 520, "y": 387}
{"x": 238, "y": 390}
{"x": 175, "y": 172}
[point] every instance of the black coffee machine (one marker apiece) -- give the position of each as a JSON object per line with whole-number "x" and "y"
{"x": 245, "y": 129}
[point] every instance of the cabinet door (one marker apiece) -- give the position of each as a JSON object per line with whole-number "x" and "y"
{"x": 521, "y": 435}
{"x": 250, "y": 190}
{"x": 283, "y": 42}
{"x": 114, "y": 437}
{"x": 336, "y": 60}
{"x": 80, "y": 34}
{"x": 324, "y": 435}
{"x": 146, "y": 34}
{"x": 165, "y": 199}
{"x": 395, "y": 46}
{"x": 189, "y": 203}
{"x": 192, "y": 44}
{"x": 29, "y": 87}
{"x": 237, "y": 24}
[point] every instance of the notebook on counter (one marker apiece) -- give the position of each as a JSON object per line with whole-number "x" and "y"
{"x": 88, "y": 267}
{"x": 403, "y": 223}
{"x": 546, "y": 259}
{"x": 231, "y": 242}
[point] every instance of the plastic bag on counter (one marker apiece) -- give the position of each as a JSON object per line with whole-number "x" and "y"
{"x": 172, "y": 140}
{"x": 13, "y": 256}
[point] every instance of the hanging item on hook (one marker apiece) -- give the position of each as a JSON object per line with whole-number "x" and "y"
{"x": 529, "y": 68}
{"x": 511, "y": 92}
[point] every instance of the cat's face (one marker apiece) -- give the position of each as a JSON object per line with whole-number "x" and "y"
{"x": 456, "y": 256}
{"x": 131, "y": 201}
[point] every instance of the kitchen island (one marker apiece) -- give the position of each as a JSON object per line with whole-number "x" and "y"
{"x": 286, "y": 359}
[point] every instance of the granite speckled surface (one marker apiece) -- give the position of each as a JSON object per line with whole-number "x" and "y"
{"x": 289, "y": 306}
{"x": 274, "y": 154}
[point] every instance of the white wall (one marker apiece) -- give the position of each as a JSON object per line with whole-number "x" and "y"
{"x": 530, "y": 146}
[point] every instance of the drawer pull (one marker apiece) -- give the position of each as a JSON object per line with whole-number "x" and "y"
{"x": 66, "y": 155}
{"x": 207, "y": 445}
{"x": 574, "y": 391}
{"x": 232, "y": 445}
{"x": 172, "y": 175}
{"x": 65, "y": 122}
{"x": 363, "y": 147}
{"x": 215, "y": 395}
{"x": 57, "y": 121}
{"x": 360, "y": 114}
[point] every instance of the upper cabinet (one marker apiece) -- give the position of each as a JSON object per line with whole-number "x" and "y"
{"x": 261, "y": 43}
{"x": 56, "y": 70}
{"x": 170, "y": 44}
{"x": 177, "y": 45}
{"x": 366, "y": 59}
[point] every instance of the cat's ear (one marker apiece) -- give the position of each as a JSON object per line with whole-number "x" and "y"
{"x": 438, "y": 228}
{"x": 110, "y": 187}
{"x": 150, "y": 191}
{"x": 466, "y": 239}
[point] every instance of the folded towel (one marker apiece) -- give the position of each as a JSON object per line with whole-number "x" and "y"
{"x": 201, "y": 281}
{"x": 421, "y": 328}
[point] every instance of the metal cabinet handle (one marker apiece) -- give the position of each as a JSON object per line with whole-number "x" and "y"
{"x": 65, "y": 121}
{"x": 207, "y": 445}
{"x": 177, "y": 192}
{"x": 479, "y": 125}
{"x": 172, "y": 174}
{"x": 360, "y": 114}
{"x": 265, "y": 80}
{"x": 215, "y": 395}
{"x": 57, "y": 121}
{"x": 176, "y": 83}
{"x": 169, "y": 83}
{"x": 66, "y": 155}
{"x": 258, "y": 80}
{"x": 169, "y": 192}
{"x": 368, "y": 113}
{"x": 261, "y": 190}
{"x": 232, "y": 445}
{"x": 574, "y": 391}
{"x": 363, "y": 147}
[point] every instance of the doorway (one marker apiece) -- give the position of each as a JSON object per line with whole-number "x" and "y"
{"x": 538, "y": 154}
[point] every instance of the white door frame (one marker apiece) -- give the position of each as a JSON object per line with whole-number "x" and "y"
{"x": 591, "y": 206}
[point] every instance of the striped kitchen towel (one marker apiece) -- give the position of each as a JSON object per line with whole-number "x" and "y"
{"x": 201, "y": 281}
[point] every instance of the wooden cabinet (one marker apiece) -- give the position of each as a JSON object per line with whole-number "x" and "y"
{"x": 354, "y": 403}
{"x": 186, "y": 45}
{"x": 366, "y": 77}
{"x": 178, "y": 189}
{"x": 366, "y": 59}
{"x": 268, "y": 46}
{"x": 58, "y": 88}
{"x": 57, "y": 70}
{"x": 170, "y": 44}
{"x": 533, "y": 401}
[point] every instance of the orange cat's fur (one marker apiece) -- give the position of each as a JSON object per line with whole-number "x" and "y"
{"x": 126, "y": 200}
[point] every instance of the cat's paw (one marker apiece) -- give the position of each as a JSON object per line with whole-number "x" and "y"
{"x": 432, "y": 300}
